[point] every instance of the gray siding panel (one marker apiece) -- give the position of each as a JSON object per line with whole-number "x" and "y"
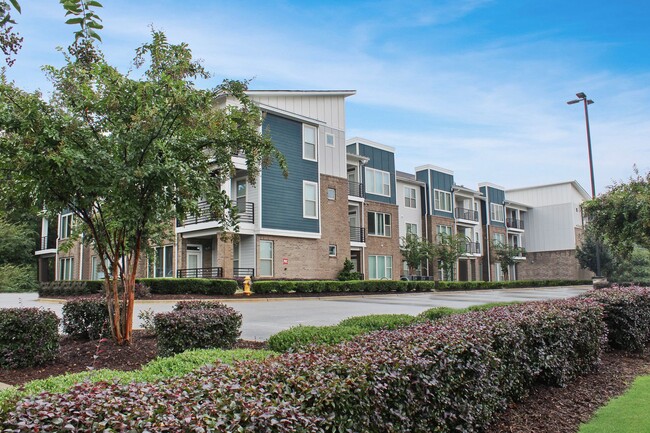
{"x": 282, "y": 197}
{"x": 496, "y": 196}
{"x": 443, "y": 182}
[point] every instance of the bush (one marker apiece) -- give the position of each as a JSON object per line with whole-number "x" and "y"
{"x": 15, "y": 279}
{"x": 70, "y": 288}
{"x": 347, "y": 274}
{"x": 272, "y": 286}
{"x": 300, "y": 337}
{"x": 86, "y": 318}
{"x": 28, "y": 337}
{"x": 627, "y": 315}
{"x": 190, "y": 286}
{"x": 375, "y": 322}
{"x": 197, "y": 328}
{"x": 490, "y": 305}
{"x": 436, "y": 313}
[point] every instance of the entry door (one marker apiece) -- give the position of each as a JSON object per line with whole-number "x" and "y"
{"x": 463, "y": 272}
{"x": 194, "y": 261}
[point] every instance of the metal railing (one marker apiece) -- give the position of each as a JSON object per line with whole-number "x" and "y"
{"x": 200, "y": 273}
{"x": 246, "y": 214}
{"x": 48, "y": 242}
{"x": 466, "y": 214}
{"x": 357, "y": 234}
{"x": 472, "y": 248}
{"x": 242, "y": 272}
{"x": 356, "y": 189}
{"x": 515, "y": 223}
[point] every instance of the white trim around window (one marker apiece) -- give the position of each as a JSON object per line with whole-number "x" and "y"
{"x": 496, "y": 212}
{"x": 442, "y": 200}
{"x": 309, "y": 143}
{"x": 380, "y": 267}
{"x": 309, "y": 199}
{"x": 330, "y": 140}
{"x": 66, "y": 267}
{"x": 410, "y": 197}
{"x": 65, "y": 226}
{"x": 379, "y": 224}
{"x": 266, "y": 259}
{"x": 377, "y": 182}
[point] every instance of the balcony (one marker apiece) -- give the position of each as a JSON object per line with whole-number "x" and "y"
{"x": 200, "y": 273}
{"x": 48, "y": 243}
{"x": 466, "y": 214}
{"x": 246, "y": 214}
{"x": 472, "y": 248}
{"x": 356, "y": 189}
{"x": 357, "y": 234}
{"x": 513, "y": 223}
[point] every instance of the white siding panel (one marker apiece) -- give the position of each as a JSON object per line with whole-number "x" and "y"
{"x": 247, "y": 252}
{"x": 407, "y": 214}
{"x": 550, "y": 228}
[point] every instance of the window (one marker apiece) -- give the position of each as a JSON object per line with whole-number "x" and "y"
{"x": 380, "y": 267}
{"x": 266, "y": 258}
{"x": 409, "y": 197}
{"x": 309, "y": 143}
{"x": 309, "y": 199}
{"x": 442, "y": 230}
{"x": 66, "y": 266}
{"x": 441, "y": 200}
{"x": 329, "y": 140}
{"x": 96, "y": 271}
{"x": 379, "y": 224}
{"x": 496, "y": 212}
{"x": 499, "y": 238}
{"x": 411, "y": 229}
{"x": 332, "y": 250}
{"x": 65, "y": 228}
{"x": 331, "y": 193}
{"x": 377, "y": 182}
{"x": 163, "y": 262}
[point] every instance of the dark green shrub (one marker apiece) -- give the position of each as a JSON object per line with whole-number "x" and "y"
{"x": 197, "y": 328}
{"x": 28, "y": 337}
{"x": 199, "y": 305}
{"x": 347, "y": 274}
{"x": 627, "y": 315}
{"x": 17, "y": 278}
{"x": 489, "y": 305}
{"x": 375, "y": 322}
{"x": 70, "y": 288}
{"x": 299, "y": 337}
{"x": 189, "y": 286}
{"x": 86, "y": 318}
{"x": 273, "y": 286}
{"x": 436, "y": 313}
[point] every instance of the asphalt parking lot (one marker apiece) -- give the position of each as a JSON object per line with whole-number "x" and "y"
{"x": 264, "y": 317}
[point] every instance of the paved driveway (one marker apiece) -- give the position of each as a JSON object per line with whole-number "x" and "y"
{"x": 264, "y": 317}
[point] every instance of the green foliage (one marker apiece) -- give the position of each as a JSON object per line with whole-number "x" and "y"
{"x": 415, "y": 251}
{"x": 635, "y": 268}
{"x": 128, "y": 156}
{"x": 86, "y": 318}
{"x": 625, "y": 414}
{"x": 18, "y": 278}
{"x": 436, "y": 313}
{"x": 490, "y": 305}
{"x": 10, "y": 42}
{"x": 447, "y": 249}
{"x": 622, "y": 214}
{"x": 189, "y": 286}
{"x": 375, "y": 322}
{"x": 197, "y": 326}
{"x": 300, "y": 337}
{"x": 65, "y": 288}
{"x": 505, "y": 255}
{"x": 28, "y": 337}
{"x": 16, "y": 243}
{"x": 158, "y": 369}
{"x": 346, "y": 273}
{"x": 586, "y": 254}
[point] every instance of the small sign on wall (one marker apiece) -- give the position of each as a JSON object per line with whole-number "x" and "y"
{"x": 285, "y": 261}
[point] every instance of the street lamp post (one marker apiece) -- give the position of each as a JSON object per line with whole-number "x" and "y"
{"x": 583, "y": 98}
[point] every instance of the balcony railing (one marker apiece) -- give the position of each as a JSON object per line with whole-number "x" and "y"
{"x": 515, "y": 223}
{"x": 356, "y": 189}
{"x": 48, "y": 242}
{"x": 472, "y": 248}
{"x": 466, "y": 214}
{"x": 243, "y": 272}
{"x": 246, "y": 214}
{"x": 200, "y": 273}
{"x": 357, "y": 234}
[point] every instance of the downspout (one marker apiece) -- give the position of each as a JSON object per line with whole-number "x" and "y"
{"x": 487, "y": 235}
{"x": 81, "y": 258}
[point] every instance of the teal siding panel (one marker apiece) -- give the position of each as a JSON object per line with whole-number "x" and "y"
{"x": 495, "y": 196}
{"x": 443, "y": 182}
{"x": 380, "y": 160}
{"x": 282, "y": 197}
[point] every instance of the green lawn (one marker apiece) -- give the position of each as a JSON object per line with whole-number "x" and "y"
{"x": 625, "y": 414}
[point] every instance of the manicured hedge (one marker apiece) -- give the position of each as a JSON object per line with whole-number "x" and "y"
{"x": 375, "y": 322}
{"x": 627, "y": 315}
{"x": 442, "y": 376}
{"x": 436, "y": 313}
{"x": 300, "y": 337}
{"x": 86, "y": 318}
{"x": 157, "y": 286}
{"x": 70, "y": 288}
{"x": 197, "y": 328}
{"x": 28, "y": 337}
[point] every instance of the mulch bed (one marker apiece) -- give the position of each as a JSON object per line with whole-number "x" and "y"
{"x": 78, "y": 355}
{"x": 547, "y": 409}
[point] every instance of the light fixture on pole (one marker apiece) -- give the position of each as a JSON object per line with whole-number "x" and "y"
{"x": 583, "y": 98}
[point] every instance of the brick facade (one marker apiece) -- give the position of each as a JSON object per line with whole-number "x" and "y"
{"x": 383, "y": 245}
{"x": 552, "y": 265}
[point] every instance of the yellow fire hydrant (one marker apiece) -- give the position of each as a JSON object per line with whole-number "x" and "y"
{"x": 247, "y": 285}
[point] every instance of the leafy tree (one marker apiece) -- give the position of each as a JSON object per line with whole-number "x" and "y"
{"x": 635, "y": 268}
{"x": 505, "y": 255}
{"x": 10, "y": 41}
{"x": 126, "y": 156}
{"x": 586, "y": 254}
{"x": 16, "y": 243}
{"x": 414, "y": 251}
{"x": 448, "y": 249}
{"x": 622, "y": 214}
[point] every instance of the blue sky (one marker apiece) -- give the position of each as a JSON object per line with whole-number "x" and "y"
{"x": 475, "y": 86}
